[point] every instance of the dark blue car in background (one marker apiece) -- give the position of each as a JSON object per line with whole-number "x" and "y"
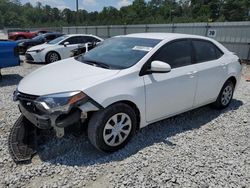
{"x": 9, "y": 55}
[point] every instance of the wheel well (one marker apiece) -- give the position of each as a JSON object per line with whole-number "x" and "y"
{"x": 233, "y": 79}
{"x": 135, "y": 108}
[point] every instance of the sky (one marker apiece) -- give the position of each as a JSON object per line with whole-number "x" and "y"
{"x": 89, "y": 5}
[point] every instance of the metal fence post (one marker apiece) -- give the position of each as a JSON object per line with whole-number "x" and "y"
{"x": 173, "y": 27}
{"x": 108, "y": 31}
{"x": 248, "y": 56}
{"x": 125, "y": 29}
{"x": 207, "y": 28}
{"x": 96, "y": 31}
{"x": 146, "y": 28}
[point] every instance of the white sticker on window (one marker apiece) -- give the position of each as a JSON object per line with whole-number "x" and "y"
{"x": 142, "y": 48}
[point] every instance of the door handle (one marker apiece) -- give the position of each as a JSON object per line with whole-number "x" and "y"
{"x": 190, "y": 74}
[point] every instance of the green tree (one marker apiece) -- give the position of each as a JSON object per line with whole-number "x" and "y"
{"x": 236, "y": 10}
{"x": 14, "y": 14}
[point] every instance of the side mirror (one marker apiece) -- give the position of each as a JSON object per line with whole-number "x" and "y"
{"x": 66, "y": 44}
{"x": 159, "y": 67}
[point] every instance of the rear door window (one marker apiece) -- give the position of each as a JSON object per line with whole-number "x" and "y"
{"x": 206, "y": 51}
{"x": 86, "y": 39}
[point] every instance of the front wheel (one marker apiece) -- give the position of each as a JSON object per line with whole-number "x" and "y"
{"x": 111, "y": 129}
{"x": 52, "y": 57}
{"x": 225, "y": 96}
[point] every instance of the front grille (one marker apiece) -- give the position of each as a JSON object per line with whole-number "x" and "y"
{"x": 28, "y": 57}
{"x": 22, "y": 50}
{"x": 23, "y": 96}
{"x": 29, "y": 106}
{"x": 27, "y": 101}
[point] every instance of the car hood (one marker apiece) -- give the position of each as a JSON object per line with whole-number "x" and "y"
{"x": 24, "y": 40}
{"x": 63, "y": 76}
{"x": 38, "y": 47}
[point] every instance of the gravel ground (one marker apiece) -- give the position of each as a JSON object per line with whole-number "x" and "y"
{"x": 201, "y": 148}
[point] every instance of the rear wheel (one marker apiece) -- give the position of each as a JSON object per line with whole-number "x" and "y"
{"x": 112, "y": 128}
{"x": 52, "y": 57}
{"x": 225, "y": 96}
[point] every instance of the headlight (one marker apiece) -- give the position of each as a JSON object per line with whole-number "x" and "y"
{"x": 61, "y": 102}
{"x": 37, "y": 51}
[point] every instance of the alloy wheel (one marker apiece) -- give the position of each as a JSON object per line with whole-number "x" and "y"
{"x": 53, "y": 57}
{"x": 227, "y": 95}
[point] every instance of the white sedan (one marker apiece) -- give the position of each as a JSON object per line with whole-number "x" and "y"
{"x": 58, "y": 49}
{"x": 128, "y": 82}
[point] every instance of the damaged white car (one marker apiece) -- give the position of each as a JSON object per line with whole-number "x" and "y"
{"x": 126, "y": 83}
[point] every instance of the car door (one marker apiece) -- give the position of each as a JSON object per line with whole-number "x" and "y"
{"x": 211, "y": 69}
{"x": 9, "y": 56}
{"x": 171, "y": 93}
{"x": 65, "y": 50}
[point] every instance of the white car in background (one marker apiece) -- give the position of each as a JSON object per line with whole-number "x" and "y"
{"x": 128, "y": 82}
{"x": 58, "y": 49}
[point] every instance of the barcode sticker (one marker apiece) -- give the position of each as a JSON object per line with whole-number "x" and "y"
{"x": 142, "y": 48}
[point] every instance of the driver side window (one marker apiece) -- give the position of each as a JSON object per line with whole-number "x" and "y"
{"x": 72, "y": 40}
{"x": 176, "y": 54}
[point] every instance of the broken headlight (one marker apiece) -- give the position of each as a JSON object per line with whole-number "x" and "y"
{"x": 60, "y": 102}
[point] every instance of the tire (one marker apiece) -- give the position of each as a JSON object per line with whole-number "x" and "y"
{"x": 225, "y": 96}
{"x": 101, "y": 127}
{"x": 52, "y": 57}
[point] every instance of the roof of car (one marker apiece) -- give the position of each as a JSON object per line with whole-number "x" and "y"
{"x": 74, "y": 35}
{"x": 162, "y": 36}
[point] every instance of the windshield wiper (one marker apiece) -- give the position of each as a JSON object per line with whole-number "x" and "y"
{"x": 97, "y": 64}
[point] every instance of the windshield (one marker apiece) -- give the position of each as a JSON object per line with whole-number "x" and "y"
{"x": 57, "y": 40}
{"x": 119, "y": 52}
{"x": 39, "y": 37}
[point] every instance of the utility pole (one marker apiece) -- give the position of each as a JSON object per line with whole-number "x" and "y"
{"x": 76, "y": 5}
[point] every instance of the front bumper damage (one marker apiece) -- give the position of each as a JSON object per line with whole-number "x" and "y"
{"x": 22, "y": 140}
{"x": 23, "y": 137}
